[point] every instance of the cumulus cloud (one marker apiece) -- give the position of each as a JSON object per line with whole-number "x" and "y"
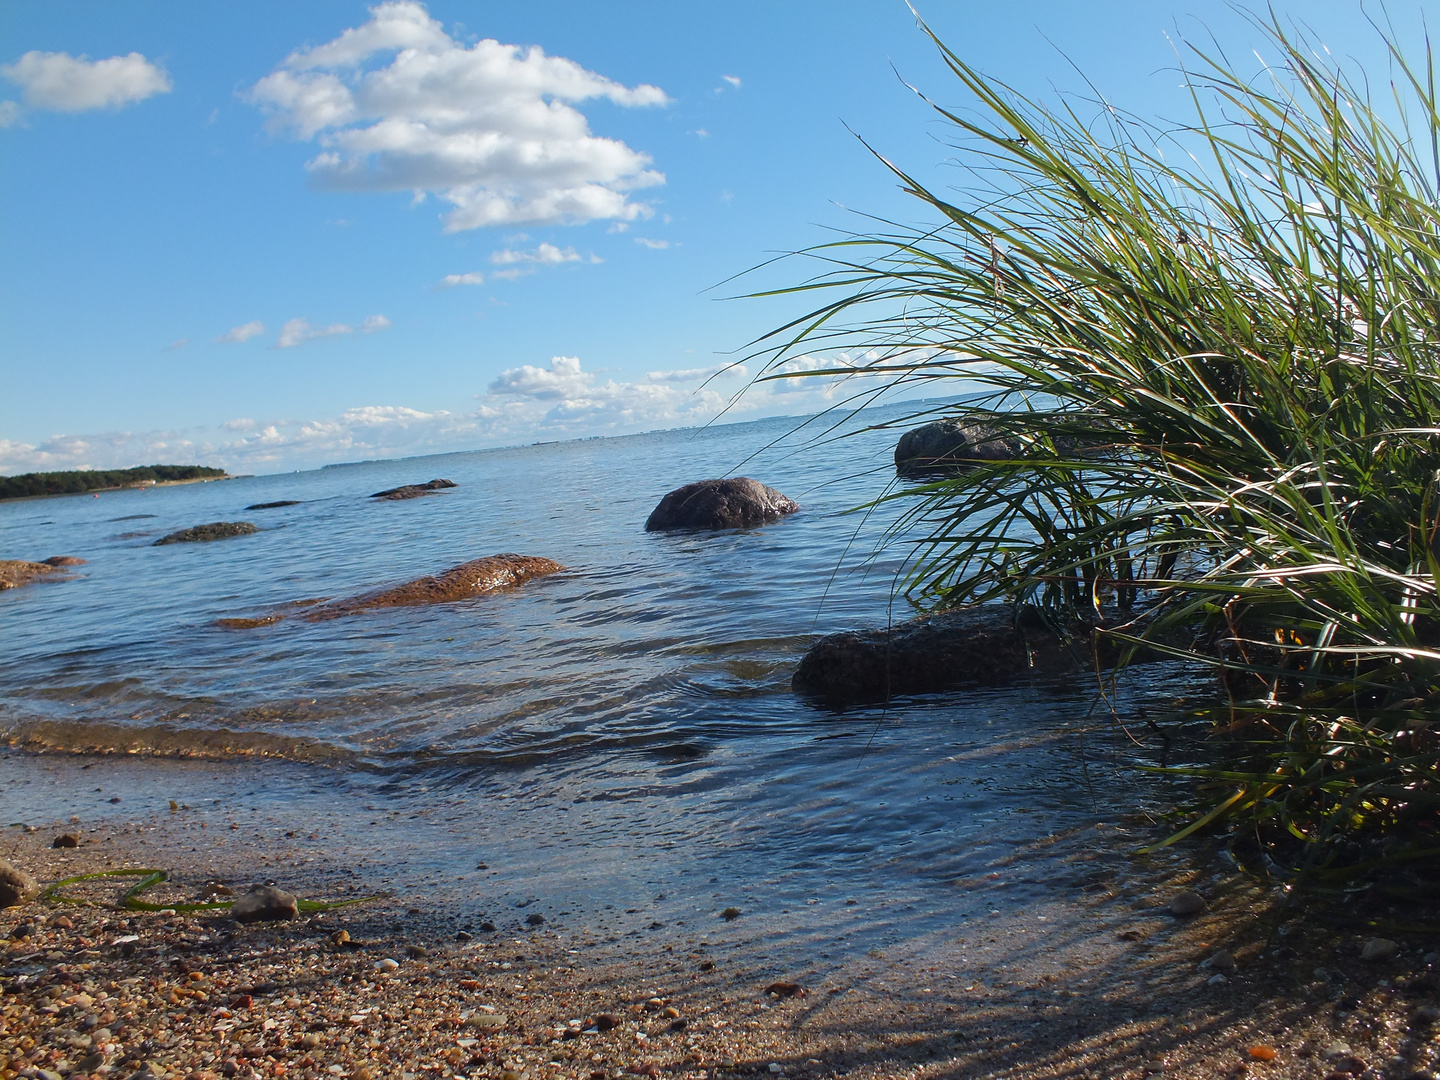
{"x": 449, "y": 281}
{"x": 653, "y": 245}
{"x": 9, "y": 113}
{"x": 398, "y": 105}
{"x": 373, "y": 323}
{"x": 64, "y": 83}
{"x": 556, "y": 400}
{"x": 733, "y": 80}
{"x": 243, "y": 332}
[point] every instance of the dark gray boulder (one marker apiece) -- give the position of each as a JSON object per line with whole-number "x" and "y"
{"x": 949, "y": 446}
{"x": 16, "y": 886}
{"x": 273, "y": 505}
{"x": 737, "y": 503}
{"x": 972, "y": 647}
{"x": 265, "y": 903}
{"x": 414, "y": 491}
{"x": 202, "y": 534}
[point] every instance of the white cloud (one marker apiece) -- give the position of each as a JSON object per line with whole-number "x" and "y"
{"x": 178, "y": 343}
{"x": 545, "y": 254}
{"x": 66, "y": 83}
{"x": 559, "y": 400}
{"x": 491, "y": 128}
{"x": 298, "y": 331}
{"x": 10, "y": 113}
{"x": 563, "y": 378}
{"x": 472, "y": 278}
{"x": 733, "y": 80}
{"x": 653, "y": 245}
{"x": 243, "y": 332}
{"x": 513, "y": 273}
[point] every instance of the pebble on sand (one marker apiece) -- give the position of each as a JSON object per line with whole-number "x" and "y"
{"x": 265, "y": 903}
{"x": 1187, "y": 904}
{"x": 16, "y": 886}
{"x": 1379, "y": 948}
{"x": 730, "y": 914}
{"x": 66, "y": 840}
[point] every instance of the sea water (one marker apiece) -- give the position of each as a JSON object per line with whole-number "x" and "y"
{"x": 624, "y": 727}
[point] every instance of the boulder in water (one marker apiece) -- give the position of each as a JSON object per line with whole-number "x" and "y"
{"x": 414, "y": 491}
{"x": 975, "y": 646}
{"x": 737, "y": 503}
{"x": 16, "y": 886}
{"x": 203, "y": 534}
{"x": 63, "y": 560}
{"x": 949, "y": 446}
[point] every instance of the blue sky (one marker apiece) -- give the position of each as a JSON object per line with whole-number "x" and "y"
{"x": 276, "y": 235}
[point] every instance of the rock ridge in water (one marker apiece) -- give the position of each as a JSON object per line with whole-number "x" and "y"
{"x": 471, "y": 579}
{"x": 951, "y": 445}
{"x": 273, "y": 505}
{"x": 203, "y": 534}
{"x": 974, "y": 646}
{"x": 414, "y": 491}
{"x": 17, "y": 572}
{"x": 736, "y": 503}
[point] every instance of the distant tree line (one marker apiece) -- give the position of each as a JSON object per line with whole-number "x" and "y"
{"x": 69, "y": 483}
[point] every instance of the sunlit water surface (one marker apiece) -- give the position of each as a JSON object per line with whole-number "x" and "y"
{"x": 623, "y": 727}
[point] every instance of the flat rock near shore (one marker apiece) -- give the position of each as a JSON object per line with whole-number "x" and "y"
{"x": 975, "y": 647}
{"x": 204, "y": 534}
{"x": 17, "y": 572}
{"x": 413, "y": 491}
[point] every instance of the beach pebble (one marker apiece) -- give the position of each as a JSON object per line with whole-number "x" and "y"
{"x": 89, "y": 1063}
{"x": 1425, "y": 1016}
{"x": 1216, "y": 980}
{"x": 265, "y": 903}
{"x": 487, "y": 1020}
{"x": 414, "y": 952}
{"x": 1378, "y": 948}
{"x": 1224, "y": 960}
{"x": 66, "y": 840}
{"x": 340, "y": 937}
{"x": 785, "y": 990}
{"x": 1335, "y": 1050}
{"x": 310, "y": 1040}
{"x": 605, "y": 1022}
{"x": 16, "y": 886}
{"x": 730, "y": 914}
{"x": 535, "y": 919}
{"x": 1187, "y": 904}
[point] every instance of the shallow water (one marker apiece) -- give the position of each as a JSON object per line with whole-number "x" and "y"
{"x": 628, "y": 721}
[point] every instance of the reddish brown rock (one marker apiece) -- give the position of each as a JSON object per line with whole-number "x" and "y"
{"x": 736, "y": 503}
{"x": 17, "y": 572}
{"x": 461, "y": 582}
{"x": 63, "y": 560}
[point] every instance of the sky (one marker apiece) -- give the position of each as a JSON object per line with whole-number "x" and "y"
{"x": 271, "y": 236}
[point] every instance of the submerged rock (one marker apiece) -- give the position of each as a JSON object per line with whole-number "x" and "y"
{"x": 952, "y": 445}
{"x": 63, "y": 560}
{"x": 203, "y": 534}
{"x": 974, "y": 646}
{"x": 471, "y": 579}
{"x": 16, "y": 886}
{"x": 265, "y": 903}
{"x": 414, "y": 491}
{"x": 273, "y": 505}
{"x": 737, "y": 503}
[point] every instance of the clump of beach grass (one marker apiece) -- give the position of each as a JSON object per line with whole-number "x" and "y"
{"x": 1217, "y": 349}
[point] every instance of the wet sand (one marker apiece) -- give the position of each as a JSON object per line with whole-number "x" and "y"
{"x": 1103, "y": 982}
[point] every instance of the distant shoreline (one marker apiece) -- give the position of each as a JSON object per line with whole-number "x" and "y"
{"x": 130, "y": 485}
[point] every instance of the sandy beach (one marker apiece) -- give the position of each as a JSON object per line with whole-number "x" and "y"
{"x": 1105, "y": 982}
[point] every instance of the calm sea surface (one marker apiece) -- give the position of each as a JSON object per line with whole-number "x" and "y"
{"x": 638, "y": 706}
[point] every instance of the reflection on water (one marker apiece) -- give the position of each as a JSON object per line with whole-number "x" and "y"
{"x": 636, "y": 707}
